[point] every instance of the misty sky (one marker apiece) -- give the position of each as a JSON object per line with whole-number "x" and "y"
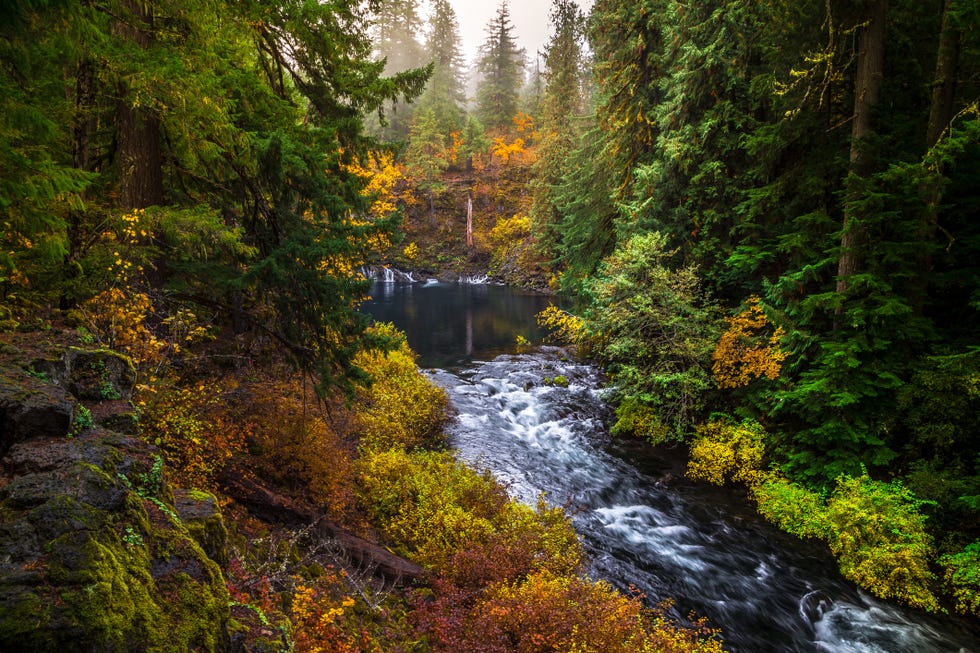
{"x": 530, "y": 19}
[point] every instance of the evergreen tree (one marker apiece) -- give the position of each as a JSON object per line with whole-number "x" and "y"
{"x": 396, "y": 27}
{"x": 562, "y": 109}
{"x": 395, "y": 30}
{"x": 426, "y": 156}
{"x": 501, "y": 66}
{"x": 532, "y": 95}
{"x": 445, "y": 95}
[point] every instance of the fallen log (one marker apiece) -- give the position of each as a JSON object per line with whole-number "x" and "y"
{"x": 273, "y": 507}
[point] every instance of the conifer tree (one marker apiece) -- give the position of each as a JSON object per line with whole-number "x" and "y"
{"x": 445, "y": 95}
{"x": 562, "y": 109}
{"x": 395, "y": 30}
{"x": 501, "y": 67}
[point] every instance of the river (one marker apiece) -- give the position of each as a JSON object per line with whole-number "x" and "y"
{"x": 643, "y": 524}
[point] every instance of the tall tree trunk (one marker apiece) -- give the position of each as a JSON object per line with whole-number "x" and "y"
{"x": 944, "y": 83}
{"x": 469, "y": 221}
{"x": 941, "y": 112}
{"x": 867, "y": 91}
{"x": 84, "y": 125}
{"x": 138, "y": 134}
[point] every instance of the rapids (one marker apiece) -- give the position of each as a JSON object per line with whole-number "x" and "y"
{"x": 645, "y": 526}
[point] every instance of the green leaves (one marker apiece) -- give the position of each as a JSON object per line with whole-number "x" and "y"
{"x": 874, "y": 529}
{"x": 963, "y": 576}
{"x": 655, "y": 331}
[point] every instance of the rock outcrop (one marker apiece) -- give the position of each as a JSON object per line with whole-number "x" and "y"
{"x": 95, "y": 552}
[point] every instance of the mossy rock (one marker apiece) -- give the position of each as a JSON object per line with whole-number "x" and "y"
{"x": 31, "y": 408}
{"x": 99, "y": 375}
{"x": 201, "y": 515}
{"x": 90, "y": 564}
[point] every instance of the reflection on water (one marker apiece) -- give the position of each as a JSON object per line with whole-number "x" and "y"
{"x": 700, "y": 545}
{"x": 449, "y": 325}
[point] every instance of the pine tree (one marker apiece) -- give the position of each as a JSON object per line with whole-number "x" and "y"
{"x": 395, "y": 30}
{"x": 396, "y": 27}
{"x": 500, "y": 65}
{"x": 562, "y": 115}
{"x": 426, "y": 156}
{"x": 445, "y": 95}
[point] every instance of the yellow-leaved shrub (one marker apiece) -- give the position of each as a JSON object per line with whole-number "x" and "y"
{"x": 564, "y": 327}
{"x": 400, "y": 407}
{"x": 430, "y": 508}
{"x": 879, "y": 539}
{"x": 723, "y": 451}
{"x": 874, "y": 529}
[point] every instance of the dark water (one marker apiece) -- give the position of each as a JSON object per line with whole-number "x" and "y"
{"x": 449, "y": 325}
{"x": 644, "y": 525}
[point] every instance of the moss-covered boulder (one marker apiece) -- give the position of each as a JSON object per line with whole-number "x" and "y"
{"x": 99, "y": 374}
{"x": 201, "y": 515}
{"x": 95, "y": 555}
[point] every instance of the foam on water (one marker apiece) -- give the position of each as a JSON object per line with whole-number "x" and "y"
{"x": 702, "y": 547}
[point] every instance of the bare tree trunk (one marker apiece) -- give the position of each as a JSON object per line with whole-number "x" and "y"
{"x": 138, "y": 133}
{"x": 867, "y": 91}
{"x": 469, "y": 221}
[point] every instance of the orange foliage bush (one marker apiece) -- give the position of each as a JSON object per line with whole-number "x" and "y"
{"x": 321, "y": 619}
{"x": 546, "y": 612}
{"x": 744, "y": 352}
{"x": 188, "y": 424}
{"x": 294, "y": 446}
{"x": 506, "y": 151}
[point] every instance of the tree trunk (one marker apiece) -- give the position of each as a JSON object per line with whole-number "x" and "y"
{"x": 941, "y": 112}
{"x": 469, "y": 221}
{"x": 273, "y": 507}
{"x": 867, "y": 91}
{"x": 138, "y": 136}
{"x": 82, "y": 129}
{"x": 944, "y": 83}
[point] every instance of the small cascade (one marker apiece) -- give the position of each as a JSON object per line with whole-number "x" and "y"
{"x": 475, "y": 279}
{"x": 386, "y": 274}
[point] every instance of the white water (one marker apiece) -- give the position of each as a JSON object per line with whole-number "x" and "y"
{"x": 388, "y": 275}
{"x": 670, "y": 538}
